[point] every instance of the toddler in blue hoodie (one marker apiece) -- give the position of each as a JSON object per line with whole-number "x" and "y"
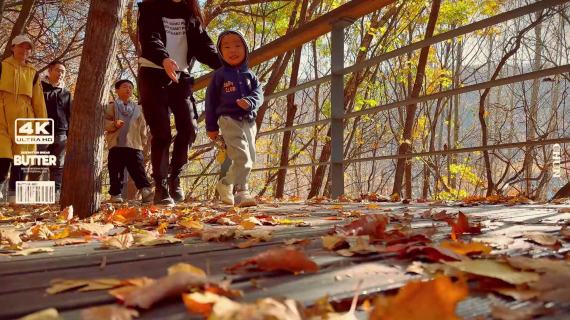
{"x": 232, "y": 100}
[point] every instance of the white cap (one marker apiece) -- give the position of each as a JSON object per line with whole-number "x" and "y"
{"x": 19, "y": 39}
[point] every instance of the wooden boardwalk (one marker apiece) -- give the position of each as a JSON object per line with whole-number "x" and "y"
{"x": 25, "y": 279}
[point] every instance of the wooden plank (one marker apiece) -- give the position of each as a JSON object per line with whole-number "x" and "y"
{"x": 118, "y": 256}
{"x": 312, "y": 30}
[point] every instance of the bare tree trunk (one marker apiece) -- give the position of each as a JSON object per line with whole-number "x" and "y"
{"x": 291, "y": 112}
{"x": 20, "y": 25}
{"x": 533, "y": 110}
{"x": 406, "y": 145}
{"x": 491, "y": 188}
{"x": 83, "y": 163}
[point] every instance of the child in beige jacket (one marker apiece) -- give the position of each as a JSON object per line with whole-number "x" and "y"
{"x": 126, "y": 135}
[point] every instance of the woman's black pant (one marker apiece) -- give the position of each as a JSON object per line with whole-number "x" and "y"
{"x": 159, "y": 96}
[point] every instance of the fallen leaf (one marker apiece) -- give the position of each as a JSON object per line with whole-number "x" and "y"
{"x": 273, "y": 260}
{"x": 248, "y": 243}
{"x": 29, "y": 251}
{"x": 294, "y": 241}
{"x": 462, "y": 226}
{"x": 149, "y": 240}
{"x": 130, "y": 285}
{"x": 121, "y": 241}
{"x": 431, "y": 300}
{"x": 222, "y": 234}
{"x": 495, "y": 269}
{"x": 101, "y": 284}
{"x": 186, "y": 267}
{"x": 466, "y": 248}
{"x": 172, "y": 285}
{"x": 334, "y": 242}
{"x": 191, "y": 224}
{"x": 565, "y": 233}
{"x": 372, "y": 225}
{"x": 62, "y": 285}
{"x": 69, "y": 241}
{"x": 86, "y": 229}
{"x": 113, "y": 312}
{"x": 527, "y": 312}
{"x": 542, "y": 265}
{"x": 435, "y": 254}
{"x": 518, "y": 294}
{"x": 262, "y": 235}
{"x": 268, "y": 308}
{"x": 66, "y": 214}
{"x": 162, "y": 227}
{"x": 11, "y": 236}
{"x": 542, "y": 239}
{"x": 200, "y": 303}
{"x": 46, "y": 314}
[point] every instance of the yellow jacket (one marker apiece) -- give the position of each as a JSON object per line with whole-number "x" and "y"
{"x": 20, "y": 97}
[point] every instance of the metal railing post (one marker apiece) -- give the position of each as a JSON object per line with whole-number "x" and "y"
{"x": 337, "y": 107}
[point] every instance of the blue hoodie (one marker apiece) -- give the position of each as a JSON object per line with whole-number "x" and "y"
{"x": 228, "y": 84}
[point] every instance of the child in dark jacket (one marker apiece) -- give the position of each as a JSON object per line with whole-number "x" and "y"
{"x": 232, "y": 100}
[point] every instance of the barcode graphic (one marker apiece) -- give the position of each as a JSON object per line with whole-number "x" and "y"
{"x": 35, "y": 192}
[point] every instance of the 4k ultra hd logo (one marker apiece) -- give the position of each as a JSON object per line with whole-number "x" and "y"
{"x": 34, "y": 131}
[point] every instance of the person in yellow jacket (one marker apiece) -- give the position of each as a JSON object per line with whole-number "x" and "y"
{"x": 21, "y": 96}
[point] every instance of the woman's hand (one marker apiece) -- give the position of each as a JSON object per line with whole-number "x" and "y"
{"x": 242, "y": 103}
{"x": 119, "y": 124}
{"x": 170, "y": 67}
{"x": 212, "y": 135}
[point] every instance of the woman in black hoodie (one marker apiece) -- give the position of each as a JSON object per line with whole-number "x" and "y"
{"x": 172, "y": 36}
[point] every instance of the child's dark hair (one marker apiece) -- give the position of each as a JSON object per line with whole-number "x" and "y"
{"x": 55, "y": 63}
{"x": 120, "y": 82}
{"x": 194, "y": 7}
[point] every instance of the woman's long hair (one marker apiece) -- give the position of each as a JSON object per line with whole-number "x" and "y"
{"x": 195, "y": 10}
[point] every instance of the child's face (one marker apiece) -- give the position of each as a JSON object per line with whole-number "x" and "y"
{"x": 233, "y": 50}
{"x": 125, "y": 91}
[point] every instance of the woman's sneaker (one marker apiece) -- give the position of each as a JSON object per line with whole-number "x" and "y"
{"x": 244, "y": 199}
{"x": 225, "y": 193}
{"x": 146, "y": 194}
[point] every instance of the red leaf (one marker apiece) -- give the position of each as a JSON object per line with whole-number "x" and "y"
{"x": 462, "y": 226}
{"x": 279, "y": 259}
{"x": 432, "y": 254}
{"x": 373, "y": 226}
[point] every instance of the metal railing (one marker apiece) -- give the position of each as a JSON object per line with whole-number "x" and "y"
{"x": 339, "y": 115}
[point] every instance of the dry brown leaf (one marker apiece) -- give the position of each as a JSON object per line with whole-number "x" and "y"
{"x": 200, "y": 303}
{"x": 11, "y": 236}
{"x": 542, "y": 239}
{"x": 121, "y": 241}
{"x": 248, "y": 243}
{"x": 186, "y": 267}
{"x": 294, "y": 241}
{"x": 262, "y": 235}
{"x": 86, "y": 229}
{"x": 222, "y": 234}
{"x": 162, "y": 288}
{"x": 149, "y": 240}
{"x": 518, "y": 294}
{"x": 29, "y": 251}
{"x": 527, "y": 312}
{"x": 273, "y": 260}
{"x": 494, "y": 269}
{"x": 466, "y": 248}
{"x": 541, "y": 265}
{"x": 66, "y": 214}
{"x": 39, "y": 232}
{"x": 46, "y": 314}
{"x": 191, "y": 224}
{"x": 69, "y": 241}
{"x": 430, "y": 300}
{"x": 226, "y": 309}
{"x": 334, "y": 242}
{"x": 130, "y": 285}
{"x": 101, "y": 284}
{"x": 112, "y": 312}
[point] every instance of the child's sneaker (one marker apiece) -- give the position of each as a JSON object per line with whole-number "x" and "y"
{"x": 225, "y": 192}
{"x": 244, "y": 199}
{"x": 146, "y": 194}
{"x": 116, "y": 199}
